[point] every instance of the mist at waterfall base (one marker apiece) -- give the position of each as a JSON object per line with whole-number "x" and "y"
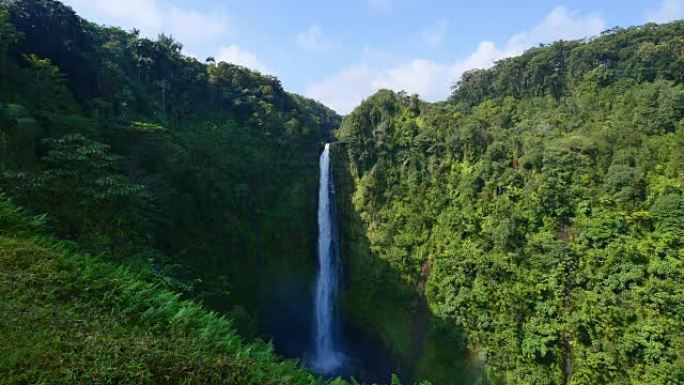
{"x": 302, "y": 319}
{"x": 289, "y": 323}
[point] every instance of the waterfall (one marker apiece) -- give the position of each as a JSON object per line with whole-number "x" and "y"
{"x": 327, "y": 358}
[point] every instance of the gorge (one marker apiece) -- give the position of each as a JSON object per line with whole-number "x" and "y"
{"x": 166, "y": 220}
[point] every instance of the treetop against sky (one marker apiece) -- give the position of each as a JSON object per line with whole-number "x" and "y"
{"x": 340, "y": 52}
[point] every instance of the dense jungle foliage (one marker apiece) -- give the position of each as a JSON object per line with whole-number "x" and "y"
{"x": 203, "y": 170}
{"x": 69, "y": 318}
{"x": 535, "y": 218}
{"x": 540, "y": 210}
{"x": 195, "y": 177}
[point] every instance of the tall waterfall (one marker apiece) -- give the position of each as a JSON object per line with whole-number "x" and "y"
{"x": 327, "y": 357}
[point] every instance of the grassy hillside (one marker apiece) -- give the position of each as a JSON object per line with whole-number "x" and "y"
{"x": 540, "y": 211}
{"x": 67, "y": 317}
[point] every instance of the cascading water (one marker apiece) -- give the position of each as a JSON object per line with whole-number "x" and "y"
{"x": 327, "y": 356}
{"x": 327, "y": 341}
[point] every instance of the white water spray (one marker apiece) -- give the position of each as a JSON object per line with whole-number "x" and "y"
{"x": 327, "y": 357}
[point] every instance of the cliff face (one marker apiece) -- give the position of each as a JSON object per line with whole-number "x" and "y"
{"x": 528, "y": 212}
{"x": 377, "y": 298}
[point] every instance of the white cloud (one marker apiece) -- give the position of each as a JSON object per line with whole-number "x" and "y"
{"x": 313, "y": 38}
{"x": 345, "y": 90}
{"x": 435, "y": 34}
{"x": 419, "y": 76}
{"x": 557, "y": 25}
{"x": 235, "y": 55}
{"x": 433, "y": 80}
{"x": 192, "y": 26}
{"x": 186, "y": 26}
{"x": 668, "y": 10}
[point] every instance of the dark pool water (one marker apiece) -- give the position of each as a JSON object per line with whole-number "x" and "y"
{"x": 287, "y": 319}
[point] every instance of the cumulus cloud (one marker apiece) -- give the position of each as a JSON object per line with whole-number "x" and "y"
{"x": 345, "y": 90}
{"x": 557, "y": 25}
{"x": 312, "y": 38}
{"x": 668, "y": 10}
{"x": 235, "y": 55}
{"x": 433, "y": 80}
{"x": 151, "y": 18}
{"x": 191, "y": 26}
{"x": 434, "y": 35}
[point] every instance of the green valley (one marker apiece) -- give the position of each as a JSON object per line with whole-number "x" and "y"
{"x": 160, "y": 223}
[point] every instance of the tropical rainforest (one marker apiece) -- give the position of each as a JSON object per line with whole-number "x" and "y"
{"x": 528, "y": 230}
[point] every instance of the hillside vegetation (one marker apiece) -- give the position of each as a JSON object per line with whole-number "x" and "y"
{"x": 170, "y": 179}
{"x": 531, "y": 225}
{"x": 69, "y": 318}
{"x": 148, "y": 180}
{"x": 540, "y": 210}
{"x": 144, "y": 154}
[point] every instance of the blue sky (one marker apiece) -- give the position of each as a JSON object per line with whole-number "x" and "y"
{"x": 340, "y": 52}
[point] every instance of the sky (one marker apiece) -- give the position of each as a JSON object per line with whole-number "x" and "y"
{"x": 340, "y": 52}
